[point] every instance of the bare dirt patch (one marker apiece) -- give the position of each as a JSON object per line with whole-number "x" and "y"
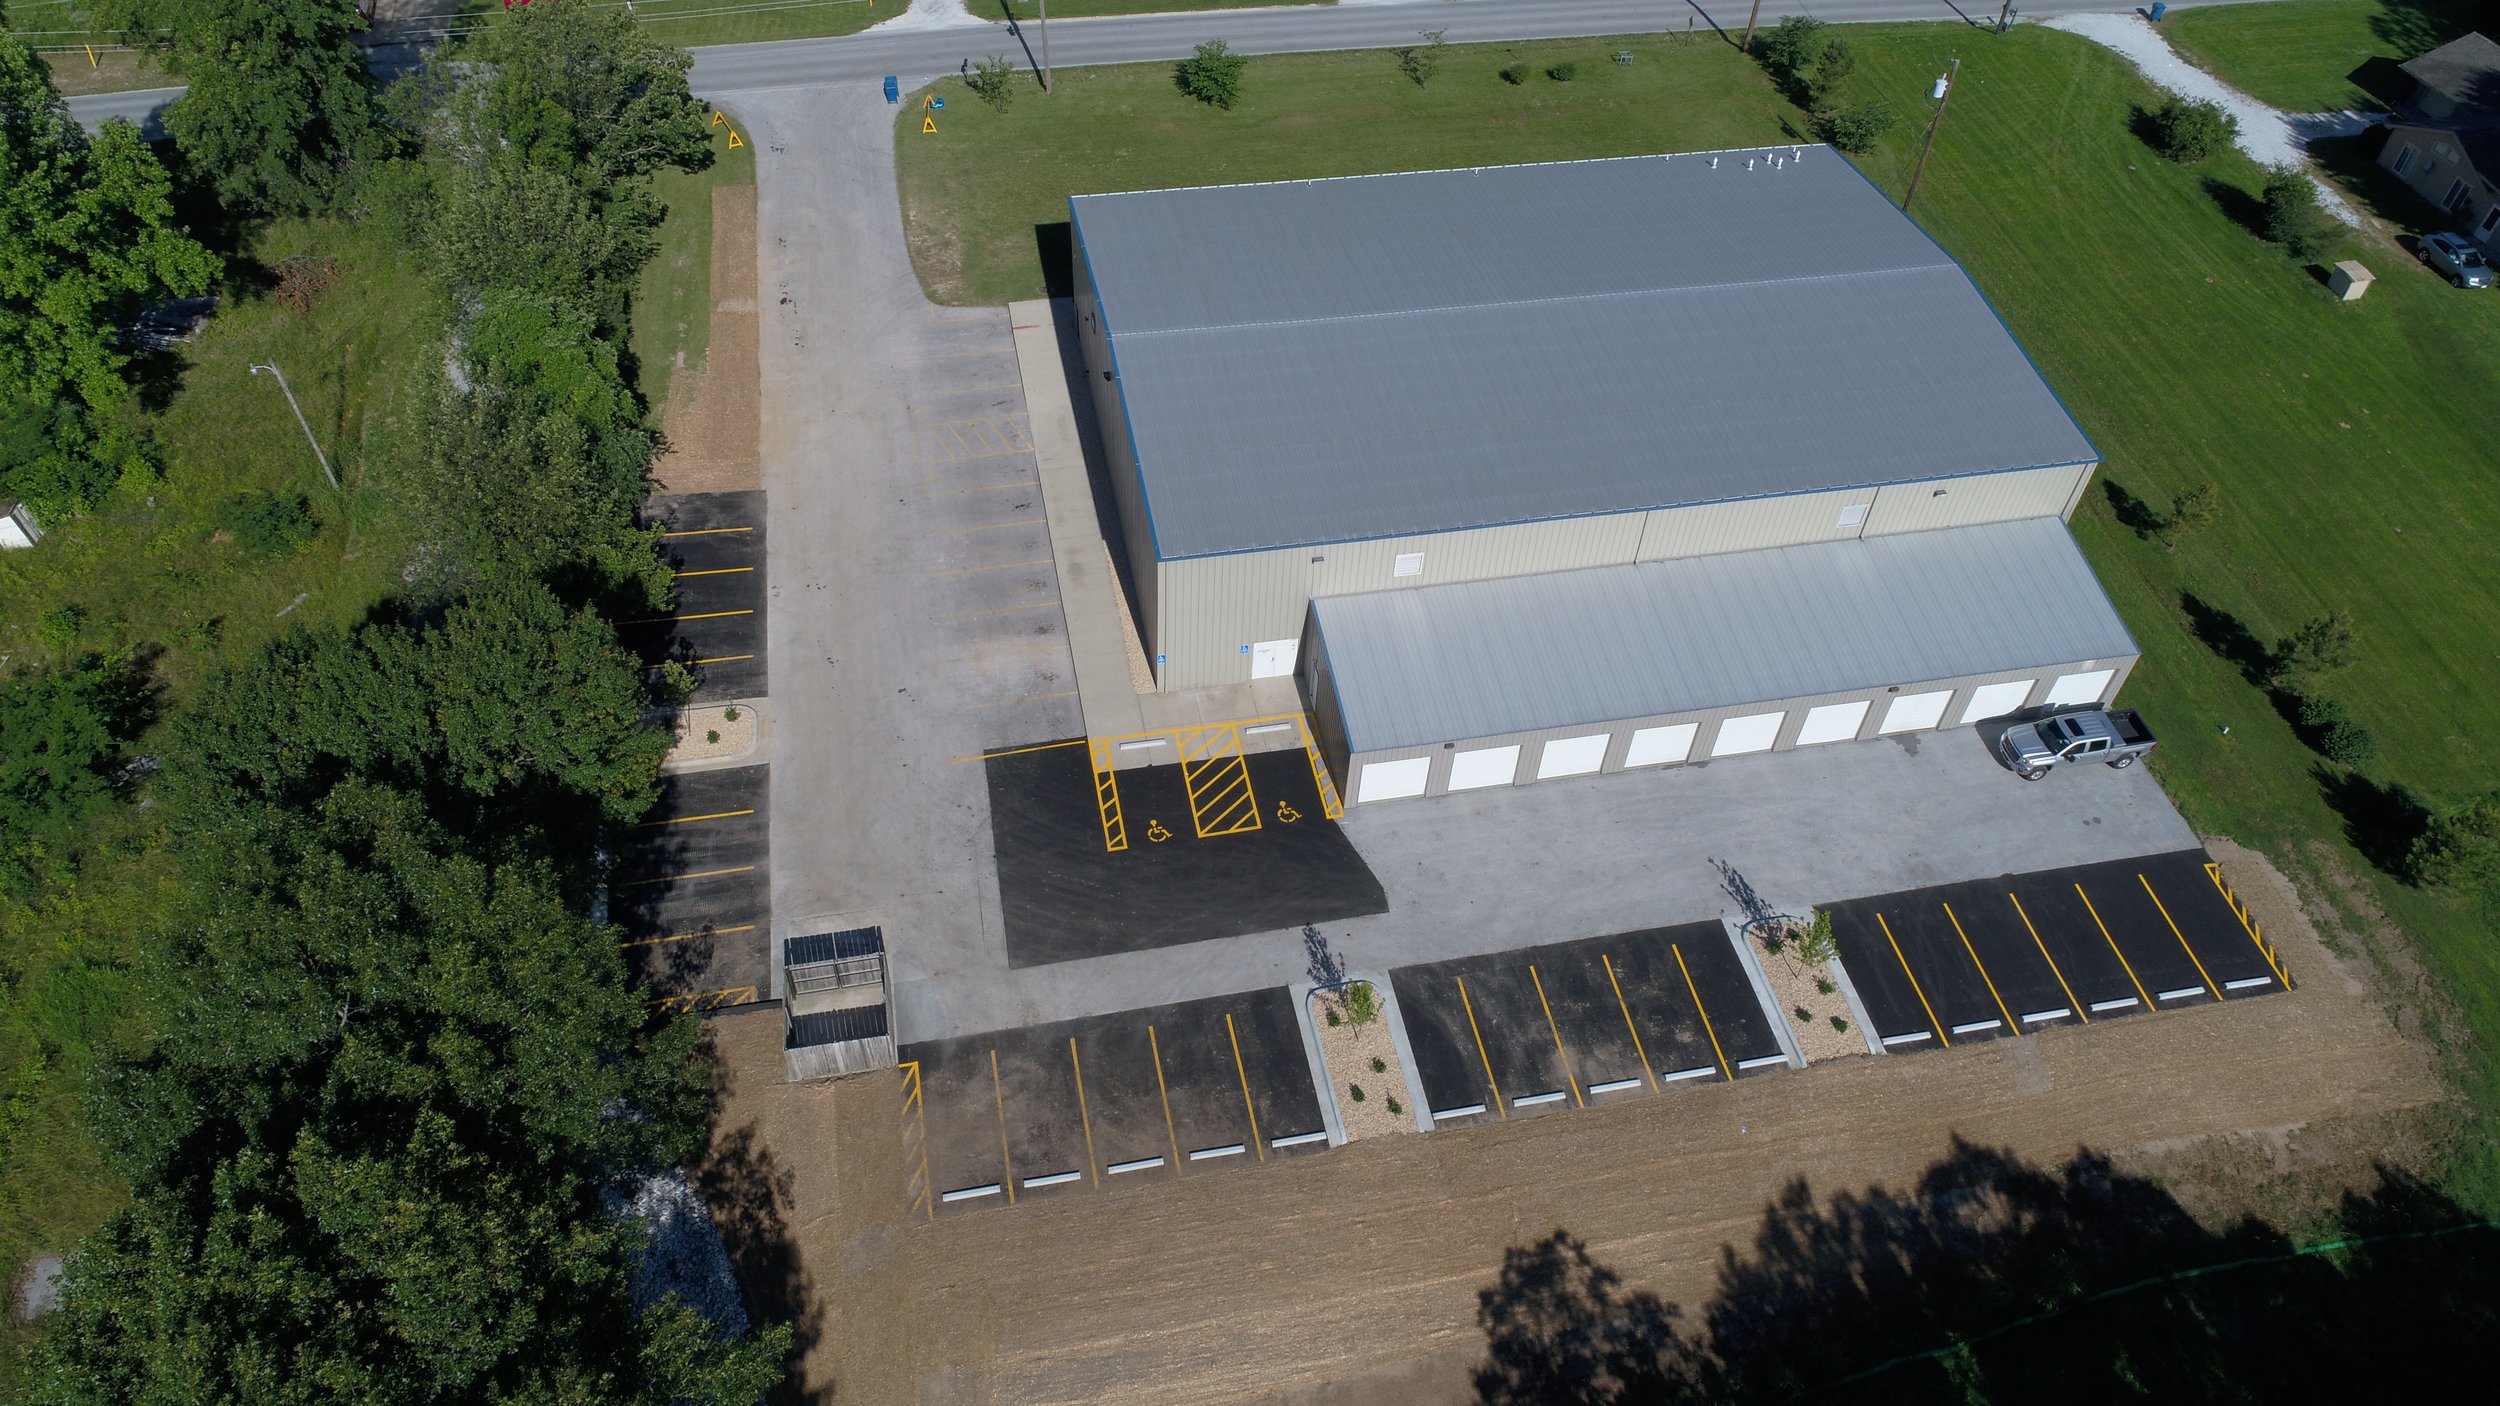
{"x": 1351, "y": 1051}
{"x": 712, "y": 420}
{"x": 1204, "y": 1288}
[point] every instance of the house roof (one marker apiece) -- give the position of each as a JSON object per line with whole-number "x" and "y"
{"x": 1382, "y": 356}
{"x": 2465, "y": 71}
{"x": 1422, "y": 666}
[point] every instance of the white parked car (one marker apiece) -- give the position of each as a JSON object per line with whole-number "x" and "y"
{"x": 2455, "y": 256}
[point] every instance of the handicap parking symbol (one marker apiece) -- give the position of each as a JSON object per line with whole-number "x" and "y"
{"x": 1156, "y": 832}
{"x": 1286, "y": 814}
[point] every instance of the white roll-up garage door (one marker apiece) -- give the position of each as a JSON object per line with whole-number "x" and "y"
{"x": 1752, "y": 733}
{"x": 2080, "y": 688}
{"x": 1916, "y": 712}
{"x": 1833, "y": 722}
{"x": 1995, "y": 700}
{"x": 1391, "y": 781}
{"x": 1573, "y": 756}
{"x": 1657, "y": 746}
{"x": 1491, "y": 766}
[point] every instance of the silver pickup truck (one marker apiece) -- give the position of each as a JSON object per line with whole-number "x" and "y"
{"x": 2115, "y": 736}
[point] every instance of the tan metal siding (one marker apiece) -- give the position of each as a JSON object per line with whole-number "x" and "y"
{"x": 1709, "y": 529}
{"x": 1213, "y": 606}
{"x": 1966, "y": 502}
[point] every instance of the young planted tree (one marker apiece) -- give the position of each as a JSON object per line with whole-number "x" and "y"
{"x": 87, "y": 238}
{"x": 2293, "y": 218}
{"x": 992, "y": 80}
{"x": 2314, "y": 647}
{"x": 1212, "y": 74}
{"x": 2187, "y": 130}
{"x": 2461, "y": 849}
{"x": 2191, "y": 511}
{"x": 1420, "y": 62}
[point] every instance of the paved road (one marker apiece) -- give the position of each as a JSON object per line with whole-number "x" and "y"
{"x": 918, "y": 54}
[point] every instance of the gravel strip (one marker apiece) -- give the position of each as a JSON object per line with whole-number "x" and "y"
{"x": 1348, "y": 1050}
{"x": 2269, "y": 137}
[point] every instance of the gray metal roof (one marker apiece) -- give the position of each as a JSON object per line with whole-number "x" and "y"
{"x": 1379, "y": 356}
{"x": 1524, "y": 653}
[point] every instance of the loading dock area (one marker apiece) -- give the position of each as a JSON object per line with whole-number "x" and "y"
{"x": 714, "y": 544}
{"x": 1999, "y": 957}
{"x": 1217, "y": 844}
{"x": 692, "y": 890}
{"x": 1542, "y": 1028}
{"x": 1078, "y": 1105}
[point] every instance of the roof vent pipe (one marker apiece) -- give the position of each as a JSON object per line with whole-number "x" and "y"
{"x": 1714, "y": 163}
{"x": 1748, "y": 163}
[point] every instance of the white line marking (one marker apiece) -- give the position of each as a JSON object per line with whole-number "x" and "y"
{"x": 1298, "y": 1140}
{"x": 2246, "y": 982}
{"x": 2181, "y": 994}
{"x": 1266, "y": 727}
{"x": 2118, "y": 1005}
{"x": 1149, "y": 742}
{"x": 1054, "y": 1179}
{"x": 1978, "y": 1025}
{"x": 2061, "y": 1013}
{"x": 970, "y": 1192}
{"x": 1614, "y": 1086}
{"x": 1906, "y": 1039}
{"x": 1231, "y": 1150}
{"x": 1142, "y": 1164}
{"x": 1463, "y": 1111}
{"x": 1703, "y": 1072}
{"x": 1764, "y": 1062}
{"x": 1533, "y": 1099}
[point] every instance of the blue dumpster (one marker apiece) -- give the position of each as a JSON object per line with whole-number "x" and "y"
{"x": 2159, "y": 9}
{"x": 893, "y": 90}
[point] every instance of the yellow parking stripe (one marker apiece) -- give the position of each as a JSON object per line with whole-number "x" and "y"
{"x": 2123, "y": 963}
{"x": 2010, "y": 1027}
{"x": 1570, "y": 1080}
{"x": 1498, "y": 1105}
{"x": 2071, "y": 1003}
{"x": 1006, "y": 1160}
{"x": 697, "y": 874}
{"x": 2248, "y": 924}
{"x": 1156, "y": 1047}
{"x": 683, "y": 936}
{"x": 716, "y": 571}
{"x": 1083, "y": 1114}
{"x": 691, "y": 819}
{"x": 706, "y": 531}
{"x": 1933, "y": 1023}
{"x": 1244, "y": 1075}
{"x": 1635, "y": 1033}
{"x": 705, "y": 615}
{"x": 2174, "y": 932}
{"x": 1707, "y": 1028}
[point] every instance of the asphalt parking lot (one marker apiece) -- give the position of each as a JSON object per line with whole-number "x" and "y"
{"x": 1998, "y": 957}
{"x": 714, "y": 542}
{"x": 1090, "y": 864}
{"x": 692, "y": 890}
{"x": 1554, "y": 1027}
{"x": 1070, "y": 1107}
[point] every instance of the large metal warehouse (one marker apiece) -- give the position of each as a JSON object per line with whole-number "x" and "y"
{"x": 1540, "y": 433}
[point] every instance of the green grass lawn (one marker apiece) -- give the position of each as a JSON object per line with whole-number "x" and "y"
{"x": 146, "y": 571}
{"x": 2353, "y": 458}
{"x": 2317, "y": 55}
{"x": 673, "y": 301}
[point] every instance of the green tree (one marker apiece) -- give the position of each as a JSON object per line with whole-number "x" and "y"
{"x": 279, "y": 111}
{"x": 1855, "y": 126}
{"x": 2461, "y": 849}
{"x": 2191, "y": 511}
{"x": 2292, "y": 216}
{"x": 993, "y": 81}
{"x": 1420, "y": 61}
{"x": 61, "y": 737}
{"x": 1791, "y": 46}
{"x": 2317, "y": 646}
{"x": 2187, "y": 130}
{"x": 1212, "y": 74}
{"x": 87, "y": 237}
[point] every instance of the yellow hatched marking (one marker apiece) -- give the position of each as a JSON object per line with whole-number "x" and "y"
{"x": 2071, "y": 1003}
{"x": 2265, "y": 949}
{"x": 1933, "y": 1023}
{"x": 704, "y": 1000}
{"x": 1328, "y": 799}
{"x": 1217, "y": 777}
{"x": 1499, "y": 1105}
{"x": 1627, "y": 1021}
{"x": 2010, "y": 1027}
{"x": 1571, "y": 1080}
{"x": 1107, "y": 800}
{"x": 1707, "y": 1028}
{"x": 2174, "y": 932}
{"x": 686, "y": 936}
{"x": 1242, "y": 1073}
{"x": 918, "y": 1147}
{"x": 1006, "y": 1160}
{"x": 2123, "y": 963}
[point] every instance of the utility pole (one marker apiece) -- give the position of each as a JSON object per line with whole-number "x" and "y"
{"x": 272, "y": 369}
{"x": 1045, "y": 45}
{"x": 1942, "y": 95}
{"x": 1750, "y": 20}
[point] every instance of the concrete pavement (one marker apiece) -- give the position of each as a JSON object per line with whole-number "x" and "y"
{"x": 918, "y": 53}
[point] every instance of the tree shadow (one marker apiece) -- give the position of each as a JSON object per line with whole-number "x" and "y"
{"x": 2133, "y": 513}
{"x": 2382, "y": 820}
{"x": 2353, "y": 164}
{"x": 1992, "y": 1279}
{"x": 2144, "y": 126}
{"x": 749, "y": 1195}
{"x": 2415, "y": 27}
{"x": 2238, "y": 206}
{"x": 2229, "y": 637}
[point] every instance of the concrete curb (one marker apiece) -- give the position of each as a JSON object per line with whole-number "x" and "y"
{"x": 1762, "y": 993}
{"x": 750, "y": 757}
{"x": 1857, "y": 1008}
{"x": 1390, "y": 1012}
{"x": 1301, "y": 992}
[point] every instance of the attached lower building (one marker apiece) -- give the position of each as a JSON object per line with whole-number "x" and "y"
{"x": 1613, "y": 463}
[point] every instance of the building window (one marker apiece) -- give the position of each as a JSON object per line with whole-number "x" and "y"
{"x": 1408, "y": 564}
{"x": 2455, "y": 199}
{"x": 2491, "y": 221}
{"x": 2404, "y": 159}
{"x": 1853, "y": 515}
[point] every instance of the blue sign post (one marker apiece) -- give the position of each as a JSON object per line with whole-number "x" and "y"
{"x": 893, "y": 89}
